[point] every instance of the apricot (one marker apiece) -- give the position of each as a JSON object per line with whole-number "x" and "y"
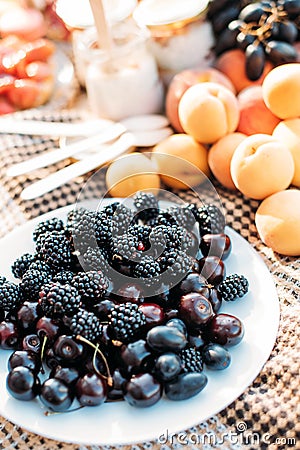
{"x": 131, "y": 173}
{"x": 288, "y": 131}
{"x": 219, "y": 158}
{"x": 255, "y": 117}
{"x": 278, "y": 222}
{"x": 261, "y": 165}
{"x": 281, "y": 91}
{"x": 208, "y": 111}
{"x": 185, "y": 79}
{"x": 181, "y": 161}
{"x": 232, "y": 63}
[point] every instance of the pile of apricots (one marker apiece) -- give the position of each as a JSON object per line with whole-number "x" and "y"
{"x": 244, "y": 134}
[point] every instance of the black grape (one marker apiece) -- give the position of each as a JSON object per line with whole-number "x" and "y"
{"x": 284, "y": 31}
{"x": 255, "y": 61}
{"x": 281, "y": 52}
{"x": 252, "y": 13}
{"x": 223, "y": 18}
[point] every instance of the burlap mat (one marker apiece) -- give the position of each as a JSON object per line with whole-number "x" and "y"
{"x": 266, "y": 415}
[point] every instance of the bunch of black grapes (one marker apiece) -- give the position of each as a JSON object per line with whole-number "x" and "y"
{"x": 264, "y": 30}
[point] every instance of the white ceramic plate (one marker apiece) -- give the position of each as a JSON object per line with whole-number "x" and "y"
{"x": 119, "y": 423}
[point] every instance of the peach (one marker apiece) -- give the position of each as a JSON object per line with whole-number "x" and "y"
{"x": 232, "y": 63}
{"x": 278, "y": 222}
{"x": 281, "y": 91}
{"x": 261, "y": 165}
{"x": 288, "y": 131}
{"x": 181, "y": 161}
{"x": 219, "y": 158}
{"x": 255, "y": 117}
{"x": 185, "y": 79}
{"x": 131, "y": 173}
{"x": 208, "y": 111}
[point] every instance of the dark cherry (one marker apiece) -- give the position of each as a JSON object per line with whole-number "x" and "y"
{"x": 119, "y": 381}
{"x": 167, "y": 366}
{"x": 193, "y": 249}
{"x": 105, "y": 336}
{"x": 51, "y": 359}
{"x": 9, "y": 336}
{"x": 195, "y": 310}
{"x": 212, "y": 269}
{"x": 56, "y": 395}
{"x": 154, "y": 314}
{"x": 91, "y": 390}
{"x": 28, "y": 315}
{"x": 197, "y": 339}
{"x": 215, "y": 299}
{"x": 24, "y": 358}
{"x": 164, "y": 298}
{"x": 32, "y": 343}
{"x": 185, "y": 386}
{"x": 135, "y": 353}
{"x": 68, "y": 349}
{"x": 69, "y": 375}
{"x": 225, "y": 329}
{"x": 171, "y": 313}
{"x": 22, "y": 383}
{"x": 195, "y": 268}
{"x": 216, "y": 245}
{"x": 47, "y": 327}
{"x": 193, "y": 282}
{"x": 143, "y": 390}
{"x": 164, "y": 339}
{"x": 103, "y": 309}
{"x": 130, "y": 292}
{"x": 216, "y": 356}
{"x": 177, "y": 323}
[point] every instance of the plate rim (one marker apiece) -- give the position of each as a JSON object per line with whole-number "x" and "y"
{"x": 150, "y": 437}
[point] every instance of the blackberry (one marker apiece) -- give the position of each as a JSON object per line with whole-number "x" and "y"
{"x": 2, "y": 280}
{"x": 90, "y": 285}
{"x": 63, "y": 277}
{"x": 32, "y": 282}
{"x": 94, "y": 259}
{"x": 60, "y": 300}
{"x": 146, "y": 205}
{"x": 74, "y": 216}
{"x": 121, "y": 220}
{"x": 103, "y": 229}
{"x": 86, "y": 324}
{"x": 40, "y": 266}
{"x": 177, "y": 263}
{"x": 56, "y": 251}
{"x": 83, "y": 232}
{"x": 158, "y": 240}
{"x": 182, "y": 216}
{"x": 210, "y": 220}
{"x": 164, "y": 218}
{"x": 109, "y": 210}
{"x": 50, "y": 225}
{"x": 10, "y": 296}
{"x": 142, "y": 232}
{"x": 147, "y": 269}
{"x": 125, "y": 248}
{"x": 126, "y": 322}
{"x": 22, "y": 264}
{"x": 191, "y": 360}
{"x": 233, "y": 286}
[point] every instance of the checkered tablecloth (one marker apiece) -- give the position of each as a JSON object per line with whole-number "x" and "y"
{"x": 270, "y": 406}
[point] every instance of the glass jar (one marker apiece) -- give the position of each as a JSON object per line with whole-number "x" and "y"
{"x": 79, "y": 20}
{"x": 124, "y": 82}
{"x": 181, "y": 37}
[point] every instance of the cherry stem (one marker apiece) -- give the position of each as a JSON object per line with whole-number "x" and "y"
{"x": 52, "y": 413}
{"x": 97, "y": 350}
{"x": 42, "y": 353}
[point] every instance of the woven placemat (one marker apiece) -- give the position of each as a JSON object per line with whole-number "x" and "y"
{"x": 266, "y": 415}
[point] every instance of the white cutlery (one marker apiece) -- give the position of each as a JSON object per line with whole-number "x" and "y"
{"x": 105, "y": 154}
{"x": 53, "y": 129}
{"x": 146, "y": 122}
